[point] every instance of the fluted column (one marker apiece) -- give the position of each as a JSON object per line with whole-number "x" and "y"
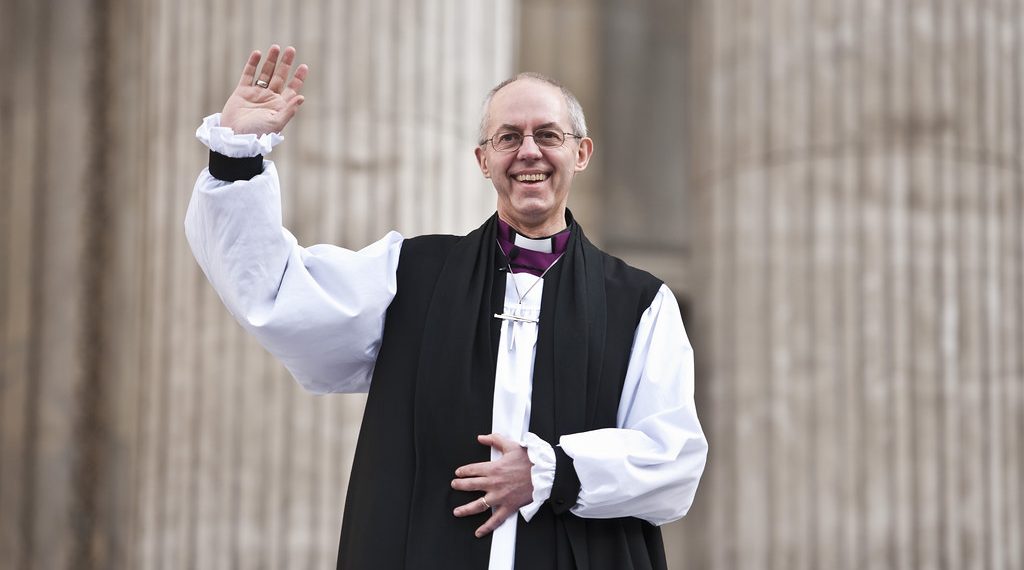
{"x": 48, "y": 345}
{"x": 861, "y": 262}
{"x": 258, "y": 470}
{"x": 140, "y": 427}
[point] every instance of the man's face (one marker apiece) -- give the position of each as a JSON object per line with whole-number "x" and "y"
{"x": 532, "y": 182}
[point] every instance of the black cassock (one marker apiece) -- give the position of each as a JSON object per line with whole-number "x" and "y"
{"x": 432, "y": 393}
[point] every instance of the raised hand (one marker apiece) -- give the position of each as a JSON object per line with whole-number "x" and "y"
{"x": 264, "y": 103}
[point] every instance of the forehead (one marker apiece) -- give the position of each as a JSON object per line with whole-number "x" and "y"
{"x": 526, "y": 103}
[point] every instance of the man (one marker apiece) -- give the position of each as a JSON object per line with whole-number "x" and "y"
{"x": 530, "y": 397}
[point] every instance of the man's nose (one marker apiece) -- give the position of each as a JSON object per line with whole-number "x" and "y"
{"x": 529, "y": 148}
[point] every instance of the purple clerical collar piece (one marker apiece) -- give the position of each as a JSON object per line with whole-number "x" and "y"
{"x": 530, "y": 255}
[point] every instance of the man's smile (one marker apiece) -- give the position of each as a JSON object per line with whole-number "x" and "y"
{"x": 530, "y": 177}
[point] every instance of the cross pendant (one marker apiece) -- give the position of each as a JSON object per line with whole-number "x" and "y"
{"x": 514, "y": 318}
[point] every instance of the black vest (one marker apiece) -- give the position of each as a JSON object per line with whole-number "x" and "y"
{"x": 417, "y": 429}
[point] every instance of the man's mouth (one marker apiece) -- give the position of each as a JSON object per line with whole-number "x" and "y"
{"x": 531, "y": 178}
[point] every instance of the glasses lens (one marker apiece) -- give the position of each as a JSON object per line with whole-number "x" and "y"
{"x": 549, "y": 137}
{"x": 507, "y": 141}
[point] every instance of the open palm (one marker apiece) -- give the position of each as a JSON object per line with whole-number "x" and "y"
{"x": 263, "y": 103}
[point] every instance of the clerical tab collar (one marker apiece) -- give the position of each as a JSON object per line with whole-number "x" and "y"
{"x": 553, "y": 244}
{"x": 521, "y": 254}
{"x": 542, "y": 245}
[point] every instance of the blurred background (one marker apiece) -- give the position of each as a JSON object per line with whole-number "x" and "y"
{"x": 832, "y": 187}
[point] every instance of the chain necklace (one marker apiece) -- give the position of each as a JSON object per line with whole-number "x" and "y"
{"x": 522, "y": 296}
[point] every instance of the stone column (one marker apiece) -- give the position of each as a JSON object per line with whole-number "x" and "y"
{"x": 562, "y": 39}
{"x": 48, "y": 351}
{"x": 860, "y": 257}
{"x": 140, "y": 427}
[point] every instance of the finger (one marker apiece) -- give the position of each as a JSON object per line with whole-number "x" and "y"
{"x": 295, "y": 85}
{"x": 473, "y": 469}
{"x": 470, "y": 484}
{"x": 289, "y": 111}
{"x": 249, "y": 71}
{"x": 282, "y": 69}
{"x": 471, "y": 508}
{"x": 269, "y": 63}
{"x": 498, "y": 441}
{"x": 494, "y": 522}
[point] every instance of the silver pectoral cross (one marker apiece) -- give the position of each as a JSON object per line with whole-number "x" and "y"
{"x": 515, "y": 318}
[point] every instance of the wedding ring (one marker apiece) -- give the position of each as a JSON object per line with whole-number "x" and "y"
{"x": 261, "y": 83}
{"x": 485, "y": 502}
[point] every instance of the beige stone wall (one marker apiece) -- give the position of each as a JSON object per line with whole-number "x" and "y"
{"x": 860, "y": 273}
{"x": 46, "y": 355}
{"x": 139, "y": 426}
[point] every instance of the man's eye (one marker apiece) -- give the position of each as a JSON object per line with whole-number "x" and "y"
{"x": 508, "y": 137}
{"x": 546, "y": 135}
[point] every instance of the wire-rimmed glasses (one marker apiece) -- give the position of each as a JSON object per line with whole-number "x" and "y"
{"x": 509, "y": 141}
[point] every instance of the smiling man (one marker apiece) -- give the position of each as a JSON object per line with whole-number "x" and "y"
{"x": 530, "y": 397}
{"x": 531, "y": 147}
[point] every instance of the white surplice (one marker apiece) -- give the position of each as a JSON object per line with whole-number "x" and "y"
{"x": 320, "y": 310}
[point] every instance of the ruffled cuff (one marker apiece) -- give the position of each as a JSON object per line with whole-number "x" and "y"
{"x": 224, "y": 140}
{"x": 542, "y": 474}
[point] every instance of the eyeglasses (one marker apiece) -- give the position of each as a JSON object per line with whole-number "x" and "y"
{"x": 508, "y": 141}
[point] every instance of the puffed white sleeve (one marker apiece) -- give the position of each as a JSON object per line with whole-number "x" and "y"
{"x": 649, "y": 466}
{"x": 320, "y": 310}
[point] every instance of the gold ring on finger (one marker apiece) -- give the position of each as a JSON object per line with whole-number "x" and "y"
{"x": 261, "y": 83}
{"x": 484, "y": 501}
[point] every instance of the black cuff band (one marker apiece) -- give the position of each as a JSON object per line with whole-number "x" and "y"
{"x": 231, "y": 169}
{"x": 566, "y": 487}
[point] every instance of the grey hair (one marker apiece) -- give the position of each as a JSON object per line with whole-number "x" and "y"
{"x": 577, "y": 121}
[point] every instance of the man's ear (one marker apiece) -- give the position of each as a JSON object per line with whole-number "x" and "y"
{"x": 583, "y": 153}
{"x": 481, "y": 160}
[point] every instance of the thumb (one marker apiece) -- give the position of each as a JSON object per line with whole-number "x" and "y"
{"x": 499, "y": 442}
{"x": 290, "y": 109}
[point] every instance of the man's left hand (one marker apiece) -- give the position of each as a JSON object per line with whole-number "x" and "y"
{"x": 505, "y": 483}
